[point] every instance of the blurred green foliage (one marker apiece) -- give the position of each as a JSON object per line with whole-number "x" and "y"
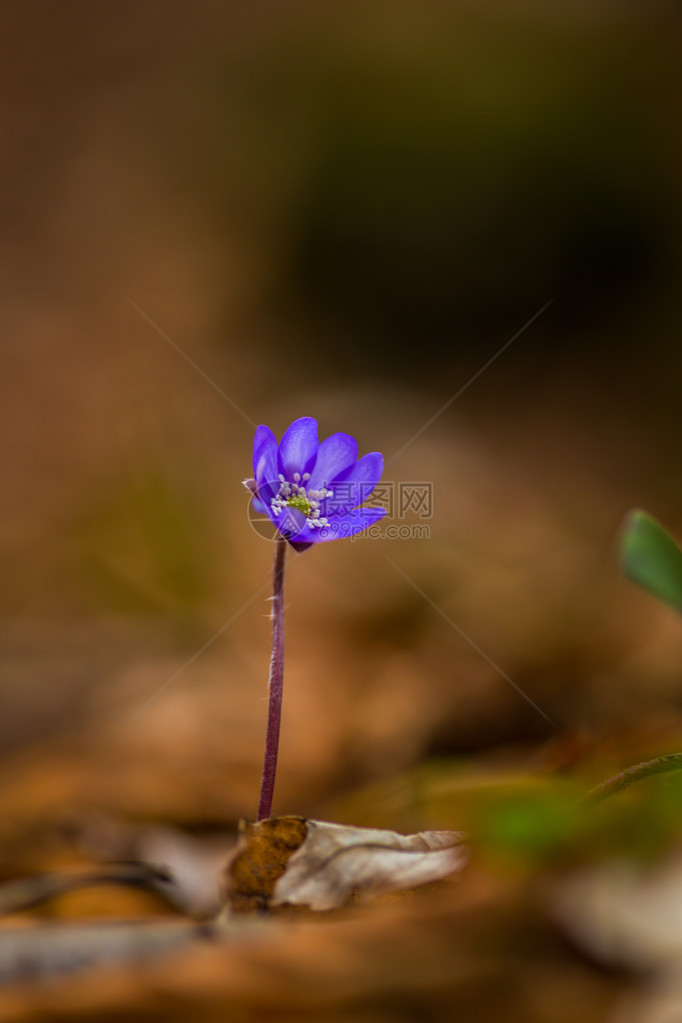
{"x": 523, "y": 821}
{"x": 651, "y": 558}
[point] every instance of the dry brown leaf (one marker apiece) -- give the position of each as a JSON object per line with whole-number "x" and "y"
{"x": 627, "y": 916}
{"x": 334, "y": 861}
{"x": 260, "y": 859}
{"x": 291, "y": 861}
{"x": 17, "y": 896}
{"x": 27, "y": 953}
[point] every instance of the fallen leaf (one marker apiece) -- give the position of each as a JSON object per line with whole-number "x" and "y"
{"x": 194, "y": 862}
{"x": 29, "y": 953}
{"x": 18, "y": 896}
{"x": 260, "y": 859}
{"x": 626, "y": 915}
{"x": 297, "y": 862}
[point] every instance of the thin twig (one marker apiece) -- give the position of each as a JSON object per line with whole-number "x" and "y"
{"x": 25, "y": 893}
{"x": 661, "y": 765}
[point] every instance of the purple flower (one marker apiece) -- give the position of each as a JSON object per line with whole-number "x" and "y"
{"x": 312, "y": 491}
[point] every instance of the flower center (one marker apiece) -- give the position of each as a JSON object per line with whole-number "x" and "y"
{"x": 300, "y": 502}
{"x": 295, "y": 495}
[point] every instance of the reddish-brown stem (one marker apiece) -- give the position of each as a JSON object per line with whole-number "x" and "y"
{"x": 276, "y": 682}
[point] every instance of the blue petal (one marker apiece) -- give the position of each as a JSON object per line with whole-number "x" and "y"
{"x": 298, "y": 447}
{"x": 336, "y": 453}
{"x": 292, "y": 524}
{"x": 265, "y": 464}
{"x": 355, "y": 484}
{"x": 263, "y": 440}
{"x": 259, "y": 507}
{"x": 343, "y": 526}
{"x": 300, "y": 546}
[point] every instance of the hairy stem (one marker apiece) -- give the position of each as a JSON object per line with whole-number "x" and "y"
{"x": 661, "y": 765}
{"x": 276, "y": 682}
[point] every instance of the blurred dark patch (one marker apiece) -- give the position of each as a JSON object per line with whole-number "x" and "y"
{"x": 513, "y": 723}
{"x": 413, "y": 297}
{"x": 440, "y": 212}
{"x": 615, "y": 254}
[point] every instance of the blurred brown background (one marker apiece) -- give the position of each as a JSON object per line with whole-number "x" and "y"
{"x": 341, "y": 210}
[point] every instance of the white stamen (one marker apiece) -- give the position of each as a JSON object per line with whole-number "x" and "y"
{"x": 283, "y": 500}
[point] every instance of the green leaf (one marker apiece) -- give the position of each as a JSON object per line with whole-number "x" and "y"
{"x": 651, "y": 558}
